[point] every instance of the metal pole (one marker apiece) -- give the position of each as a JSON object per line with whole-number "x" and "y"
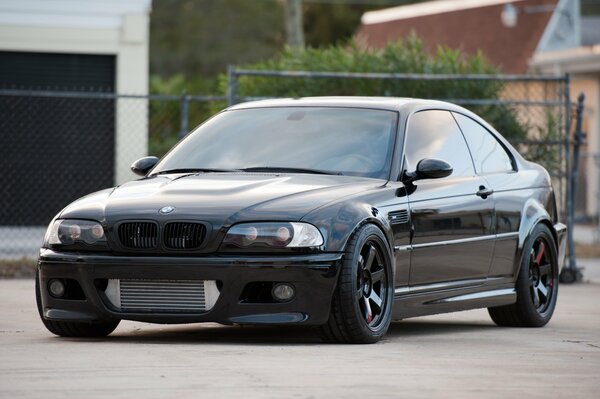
{"x": 572, "y": 273}
{"x": 568, "y": 164}
{"x": 185, "y": 111}
{"x": 231, "y": 85}
{"x": 395, "y": 76}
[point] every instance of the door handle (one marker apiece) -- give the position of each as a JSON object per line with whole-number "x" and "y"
{"x": 484, "y": 192}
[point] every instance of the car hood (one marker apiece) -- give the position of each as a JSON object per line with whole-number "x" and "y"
{"x": 218, "y": 198}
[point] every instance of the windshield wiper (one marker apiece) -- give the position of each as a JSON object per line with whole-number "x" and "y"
{"x": 193, "y": 170}
{"x": 285, "y": 169}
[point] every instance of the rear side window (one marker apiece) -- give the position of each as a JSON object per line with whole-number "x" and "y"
{"x": 488, "y": 154}
{"x": 435, "y": 134}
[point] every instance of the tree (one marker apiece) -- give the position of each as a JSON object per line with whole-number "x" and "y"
{"x": 199, "y": 38}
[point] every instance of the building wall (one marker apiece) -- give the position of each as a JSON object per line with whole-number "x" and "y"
{"x": 120, "y": 28}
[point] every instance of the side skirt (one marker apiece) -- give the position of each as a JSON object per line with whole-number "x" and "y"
{"x": 420, "y": 301}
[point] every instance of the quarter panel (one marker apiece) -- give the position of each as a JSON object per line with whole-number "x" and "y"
{"x": 519, "y": 199}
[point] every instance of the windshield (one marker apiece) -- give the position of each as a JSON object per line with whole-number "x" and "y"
{"x": 349, "y": 141}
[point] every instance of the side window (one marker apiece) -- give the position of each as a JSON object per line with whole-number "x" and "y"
{"x": 488, "y": 154}
{"x": 435, "y": 134}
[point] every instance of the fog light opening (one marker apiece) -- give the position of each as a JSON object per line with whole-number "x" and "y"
{"x": 56, "y": 288}
{"x": 283, "y": 292}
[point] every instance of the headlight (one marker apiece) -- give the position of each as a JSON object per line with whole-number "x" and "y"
{"x": 71, "y": 232}
{"x": 274, "y": 235}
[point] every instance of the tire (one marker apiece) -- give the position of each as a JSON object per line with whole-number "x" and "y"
{"x": 72, "y": 329}
{"x": 538, "y": 274}
{"x": 361, "y": 307}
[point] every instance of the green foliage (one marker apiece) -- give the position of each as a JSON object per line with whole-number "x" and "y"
{"x": 18, "y": 268}
{"x": 542, "y": 148}
{"x": 405, "y": 56}
{"x": 332, "y": 23}
{"x": 165, "y": 115}
{"x": 201, "y": 37}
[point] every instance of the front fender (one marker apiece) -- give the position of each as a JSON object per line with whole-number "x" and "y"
{"x": 340, "y": 221}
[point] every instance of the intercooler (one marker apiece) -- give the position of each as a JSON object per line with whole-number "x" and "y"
{"x": 162, "y": 296}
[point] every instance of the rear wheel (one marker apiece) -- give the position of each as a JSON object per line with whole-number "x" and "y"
{"x": 72, "y": 329}
{"x": 537, "y": 284}
{"x": 362, "y": 303}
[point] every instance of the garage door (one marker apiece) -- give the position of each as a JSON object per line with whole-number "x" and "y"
{"x": 54, "y": 148}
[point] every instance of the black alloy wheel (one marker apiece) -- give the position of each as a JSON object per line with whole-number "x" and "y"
{"x": 371, "y": 284}
{"x": 536, "y": 285}
{"x": 541, "y": 275}
{"x": 361, "y": 307}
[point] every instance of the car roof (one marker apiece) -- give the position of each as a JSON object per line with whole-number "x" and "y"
{"x": 385, "y": 103}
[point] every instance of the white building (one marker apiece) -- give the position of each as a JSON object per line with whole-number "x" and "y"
{"x": 55, "y": 148}
{"x": 116, "y": 29}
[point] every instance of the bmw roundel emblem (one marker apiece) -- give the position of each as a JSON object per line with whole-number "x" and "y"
{"x": 166, "y": 210}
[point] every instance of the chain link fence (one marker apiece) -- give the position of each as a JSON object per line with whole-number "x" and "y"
{"x": 58, "y": 146}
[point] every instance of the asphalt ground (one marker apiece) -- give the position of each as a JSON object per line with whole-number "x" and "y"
{"x": 454, "y": 355}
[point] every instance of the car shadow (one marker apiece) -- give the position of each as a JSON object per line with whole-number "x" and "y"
{"x": 220, "y": 334}
{"x": 273, "y": 335}
{"x": 416, "y": 327}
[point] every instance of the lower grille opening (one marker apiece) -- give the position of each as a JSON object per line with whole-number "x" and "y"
{"x": 74, "y": 290}
{"x": 162, "y": 296}
{"x": 257, "y": 292}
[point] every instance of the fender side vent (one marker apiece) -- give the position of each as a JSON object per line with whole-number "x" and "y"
{"x": 398, "y": 217}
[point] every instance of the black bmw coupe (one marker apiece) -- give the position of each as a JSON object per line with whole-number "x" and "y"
{"x": 344, "y": 213}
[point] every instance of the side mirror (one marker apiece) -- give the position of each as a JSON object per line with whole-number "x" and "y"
{"x": 429, "y": 169}
{"x": 143, "y": 165}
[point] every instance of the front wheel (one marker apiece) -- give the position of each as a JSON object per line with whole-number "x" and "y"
{"x": 73, "y": 329}
{"x": 362, "y": 303}
{"x": 537, "y": 284}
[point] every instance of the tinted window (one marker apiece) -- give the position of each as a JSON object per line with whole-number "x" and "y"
{"x": 488, "y": 154}
{"x": 348, "y": 140}
{"x": 435, "y": 134}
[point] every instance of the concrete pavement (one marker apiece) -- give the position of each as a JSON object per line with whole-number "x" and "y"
{"x": 456, "y": 355}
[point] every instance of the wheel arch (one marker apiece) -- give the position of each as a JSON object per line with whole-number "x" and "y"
{"x": 534, "y": 213}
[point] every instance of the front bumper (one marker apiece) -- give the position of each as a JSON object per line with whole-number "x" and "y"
{"x": 314, "y": 277}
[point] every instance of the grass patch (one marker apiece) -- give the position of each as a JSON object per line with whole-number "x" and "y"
{"x": 18, "y": 268}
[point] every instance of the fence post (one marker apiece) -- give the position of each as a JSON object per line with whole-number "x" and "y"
{"x": 569, "y": 215}
{"x": 231, "y": 85}
{"x": 572, "y": 273}
{"x": 185, "y": 113}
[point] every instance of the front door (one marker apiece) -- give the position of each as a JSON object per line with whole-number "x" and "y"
{"x": 452, "y": 239}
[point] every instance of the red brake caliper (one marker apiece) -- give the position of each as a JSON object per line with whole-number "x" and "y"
{"x": 541, "y": 250}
